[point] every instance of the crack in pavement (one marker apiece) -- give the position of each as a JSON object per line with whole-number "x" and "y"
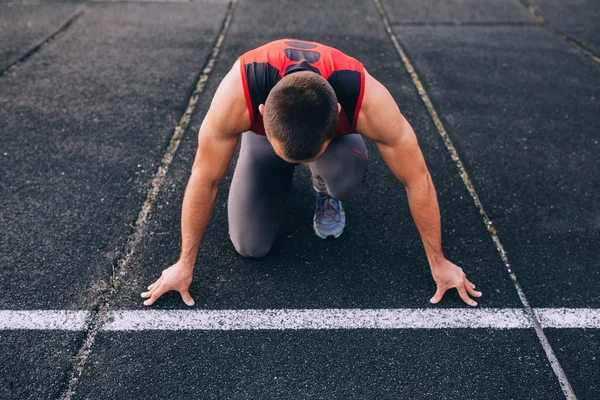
{"x": 78, "y": 12}
{"x": 552, "y": 359}
{"x": 100, "y": 312}
{"x": 559, "y": 32}
{"x": 464, "y": 23}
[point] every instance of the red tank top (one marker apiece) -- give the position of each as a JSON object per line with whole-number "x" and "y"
{"x": 264, "y": 66}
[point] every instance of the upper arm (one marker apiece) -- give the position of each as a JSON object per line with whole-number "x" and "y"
{"x": 219, "y": 133}
{"x": 380, "y": 120}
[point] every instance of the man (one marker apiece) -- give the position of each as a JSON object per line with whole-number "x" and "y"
{"x": 297, "y": 102}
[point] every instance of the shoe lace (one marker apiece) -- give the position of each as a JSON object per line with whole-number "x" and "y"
{"x": 328, "y": 209}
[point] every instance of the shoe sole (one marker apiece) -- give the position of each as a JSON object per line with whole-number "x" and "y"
{"x": 325, "y": 237}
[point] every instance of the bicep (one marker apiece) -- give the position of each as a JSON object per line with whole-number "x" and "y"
{"x": 219, "y": 133}
{"x": 404, "y": 158}
{"x": 214, "y": 154}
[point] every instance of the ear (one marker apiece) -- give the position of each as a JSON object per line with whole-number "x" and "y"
{"x": 339, "y": 108}
{"x": 261, "y": 109}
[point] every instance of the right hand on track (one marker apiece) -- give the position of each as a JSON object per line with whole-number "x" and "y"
{"x": 177, "y": 277}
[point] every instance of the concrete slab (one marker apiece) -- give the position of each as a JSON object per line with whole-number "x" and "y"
{"x": 579, "y": 19}
{"x": 34, "y": 364}
{"x": 379, "y": 261}
{"x": 455, "y": 11}
{"x": 579, "y": 353}
{"x": 24, "y": 26}
{"x": 416, "y": 364}
{"x": 521, "y": 107}
{"x": 84, "y": 123}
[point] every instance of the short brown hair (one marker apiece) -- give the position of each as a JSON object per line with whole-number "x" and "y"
{"x": 301, "y": 113}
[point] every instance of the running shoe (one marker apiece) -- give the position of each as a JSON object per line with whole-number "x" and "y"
{"x": 330, "y": 218}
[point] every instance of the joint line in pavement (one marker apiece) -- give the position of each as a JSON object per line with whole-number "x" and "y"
{"x": 557, "y": 31}
{"x": 426, "y": 24}
{"x": 552, "y": 359}
{"x": 36, "y": 48}
{"x": 98, "y": 317}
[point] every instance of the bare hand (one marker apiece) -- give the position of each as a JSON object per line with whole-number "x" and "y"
{"x": 447, "y": 276}
{"x": 176, "y": 277}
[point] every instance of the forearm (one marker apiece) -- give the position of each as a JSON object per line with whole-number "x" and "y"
{"x": 197, "y": 208}
{"x": 422, "y": 200}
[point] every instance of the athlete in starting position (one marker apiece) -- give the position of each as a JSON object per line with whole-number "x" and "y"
{"x": 297, "y": 102}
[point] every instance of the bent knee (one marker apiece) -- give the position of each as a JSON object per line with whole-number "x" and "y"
{"x": 347, "y": 188}
{"x": 250, "y": 247}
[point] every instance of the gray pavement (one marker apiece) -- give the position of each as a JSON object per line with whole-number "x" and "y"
{"x": 85, "y": 120}
{"x": 578, "y": 19}
{"x": 24, "y": 26}
{"x": 534, "y": 157}
{"x": 475, "y": 364}
{"x": 456, "y": 12}
{"x": 84, "y": 125}
{"x": 35, "y": 364}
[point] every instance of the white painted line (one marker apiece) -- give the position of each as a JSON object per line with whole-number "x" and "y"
{"x": 297, "y": 319}
{"x": 568, "y": 317}
{"x": 63, "y": 320}
{"x": 316, "y": 319}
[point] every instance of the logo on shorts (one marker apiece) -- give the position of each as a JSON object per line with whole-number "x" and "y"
{"x": 359, "y": 152}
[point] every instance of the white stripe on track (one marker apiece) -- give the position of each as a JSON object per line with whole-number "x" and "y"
{"x": 295, "y": 319}
{"x": 64, "y": 320}
{"x": 568, "y": 317}
{"x": 318, "y": 319}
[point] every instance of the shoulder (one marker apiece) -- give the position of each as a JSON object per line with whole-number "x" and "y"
{"x": 380, "y": 118}
{"x": 374, "y": 96}
{"x": 228, "y": 111}
{"x": 232, "y": 87}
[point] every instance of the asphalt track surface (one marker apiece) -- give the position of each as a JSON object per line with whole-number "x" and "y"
{"x": 89, "y": 101}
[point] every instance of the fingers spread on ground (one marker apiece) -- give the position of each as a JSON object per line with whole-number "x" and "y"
{"x": 473, "y": 292}
{"x": 187, "y": 299}
{"x": 159, "y": 291}
{"x": 439, "y": 293}
{"x": 463, "y": 295}
{"x": 150, "y": 291}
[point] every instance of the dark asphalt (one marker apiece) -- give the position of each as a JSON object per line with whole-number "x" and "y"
{"x": 579, "y": 353}
{"x": 23, "y": 26}
{"x": 579, "y": 19}
{"x": 456, "y": 12}
{"x": 85, "y": 121}
{"x": 475, "y": 364}
{"x": 84, "y": 124}
{"x": 34, "y": 364}
{"x": 534, "y": 157}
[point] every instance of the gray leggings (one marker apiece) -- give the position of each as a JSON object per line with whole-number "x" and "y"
{"x": 262, "y": 179}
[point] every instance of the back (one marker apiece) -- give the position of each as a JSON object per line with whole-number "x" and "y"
{"x": 264, "y": 66}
